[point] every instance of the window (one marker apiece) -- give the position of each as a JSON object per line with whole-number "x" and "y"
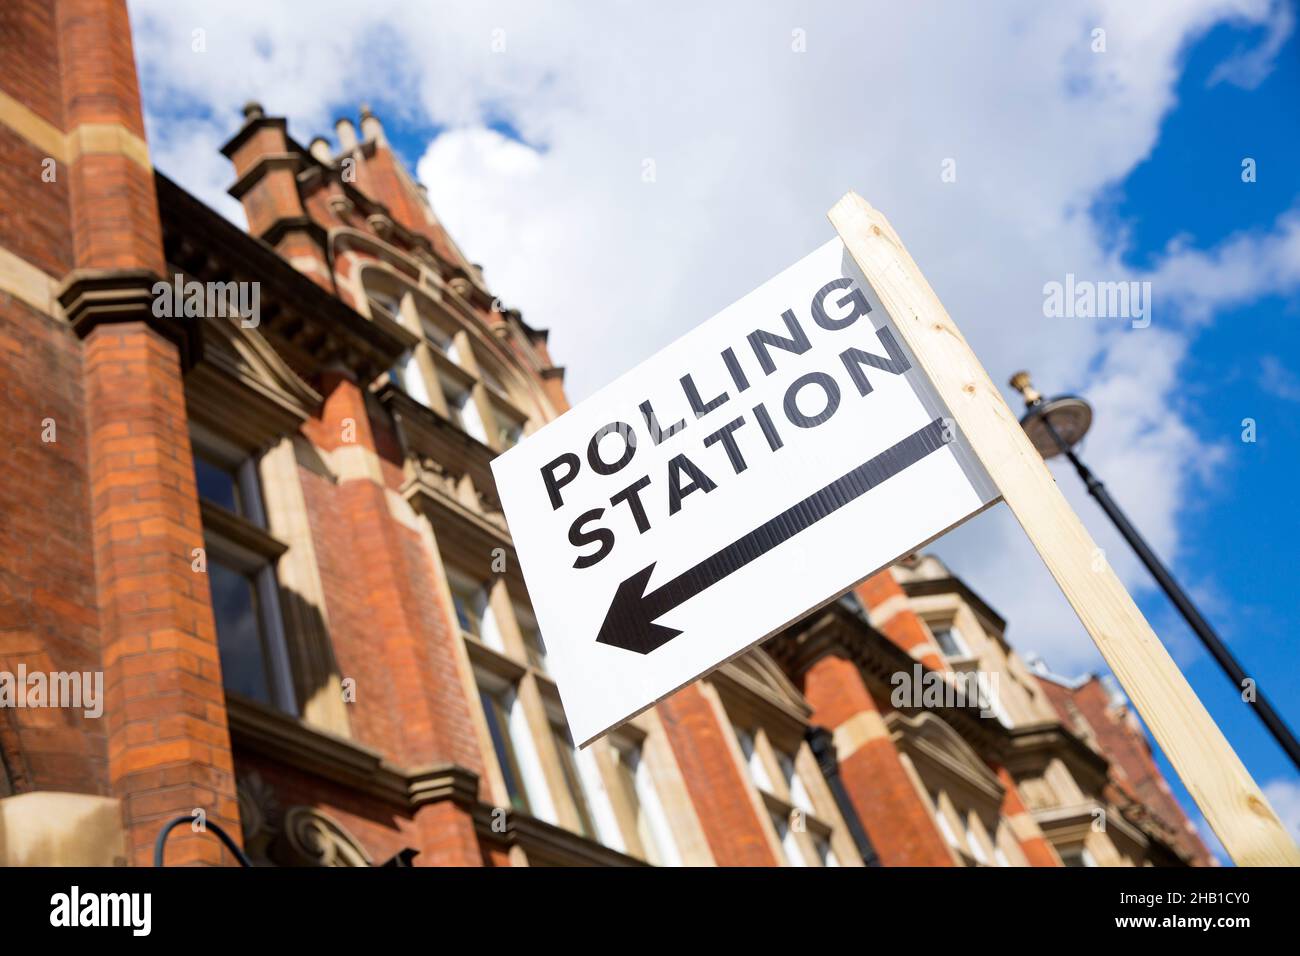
{"x": 653, "y": 838}
{"x": 1077, "y": 856}
{"x": 789, "y": 843}
{"x": 976, "y": 846}
{"x": 408, "y": 377}
{"x": 385, "y": 305}
{"x": 217, "y": 484}
{"x": 510, "y": 432}
{"x": 441, "y": 341}
{"x": 534, "y": 646}
{"x": 757, "y": 772}
{"x": 573, "y": 778}
{"x": 470, "y": 603}
{"x": 240, "y": 640}
{"x": 464, "y": 412}
{"x": 941, "y": 818}
{"x": 240, "y": 562}
{"x": 473, "y": 612}
{"x": 950, "y": 642}
{"x": 824, "y": 851}
{"x": 798, "y": 792}
{"x": 497, "y": 709}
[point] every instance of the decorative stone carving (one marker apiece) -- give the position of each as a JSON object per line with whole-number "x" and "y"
{"x": 301, "y": 836}
{"x": 381, "y": 224}
{"x": 319, "y": 840}
{"x": 259, "y": 817}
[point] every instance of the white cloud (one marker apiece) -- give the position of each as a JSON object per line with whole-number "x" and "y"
{"x": 751, "y": 143}
{"x": 1250, "y": 67}
{"x": 1278, "y": 380}
{"x": 1284, "y": 797}
{"x": 1239, "y": 269}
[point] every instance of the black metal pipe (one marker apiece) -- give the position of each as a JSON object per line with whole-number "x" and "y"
{"x": 160, "y": 845}
{"x": 1218, "y": 650}
{"x": 823, "y": 748}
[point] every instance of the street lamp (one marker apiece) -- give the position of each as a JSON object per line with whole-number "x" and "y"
{"x": 1056, "y": 426}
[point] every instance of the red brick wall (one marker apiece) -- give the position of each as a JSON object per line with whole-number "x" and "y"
{"x": 372, "y": 720}
{"x": 114, "y": 207}
{"x": 389, "y": 627}
{"x": 34, "y": 215}
{"x": 713, "y": 780}
{"x": 169, "y": 749}
{"x": 1038, "y": 851}
{"x": 108, "y": 513}
{"x": 48, "y": 610}
{"x": 903, "y": 627}
{"x": 31, "y": 74}
{"x": 896, "y": 819}
{"x": 386, "y": 618}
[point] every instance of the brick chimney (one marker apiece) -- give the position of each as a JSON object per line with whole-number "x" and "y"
{"x": 267, "y": 164}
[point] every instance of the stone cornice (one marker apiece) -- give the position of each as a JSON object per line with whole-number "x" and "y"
{"x": 544, "y": 843}
{"x": 309, "y": 327}
{"x": 838, "y": 630}
{"x": 1033, "y": 745}
{"x": 260, "y": 167}
{"x": 950, "y": 585}
{"x": 427, "y": 434}
{"x": 251, "y": 127}
{"x": 259, "y": 730}
{"x": 287, "y": 740}
{"x": 94, "y": 297}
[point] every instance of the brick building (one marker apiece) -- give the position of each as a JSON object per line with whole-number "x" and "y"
{"x": 272, "y": 529}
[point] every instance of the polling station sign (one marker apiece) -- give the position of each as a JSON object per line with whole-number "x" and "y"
{"x": 752, "y": 471}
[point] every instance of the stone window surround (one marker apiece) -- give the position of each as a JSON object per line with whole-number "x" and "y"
{"x": 466, "y": 373}
{"x": 775, "y": 724}
{"x": 969, "y": 795}
{"x": 239, "y": 364}
{"x": 537, "y": 696}
{"x": 242, "y": 542}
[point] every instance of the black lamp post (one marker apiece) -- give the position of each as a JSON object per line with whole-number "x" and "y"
{"x": 1055, "y": 426}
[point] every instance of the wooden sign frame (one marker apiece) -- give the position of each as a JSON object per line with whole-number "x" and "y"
{"x": 1221, "y": 786}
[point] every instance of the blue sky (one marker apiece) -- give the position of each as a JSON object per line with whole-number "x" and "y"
{"x": 1238, "y": 533}
{"x": 532, "y": 128}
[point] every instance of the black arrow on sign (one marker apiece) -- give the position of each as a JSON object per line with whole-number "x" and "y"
{"x": 630, "y": 621}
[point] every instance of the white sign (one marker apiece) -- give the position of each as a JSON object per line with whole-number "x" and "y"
{"x": 750, "y": 472}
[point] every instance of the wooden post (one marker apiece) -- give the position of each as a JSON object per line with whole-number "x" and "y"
{"x": 1229, "y": 798}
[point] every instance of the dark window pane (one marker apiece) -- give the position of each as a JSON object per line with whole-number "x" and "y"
{"x": 534, "y": 646}
{"x": 467, "y": 610}
{"x": 947, "y": 642}
{"x": 499, "y": 729}
{"x": 217, "y": 484}
{"x": 239, "y": 637}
